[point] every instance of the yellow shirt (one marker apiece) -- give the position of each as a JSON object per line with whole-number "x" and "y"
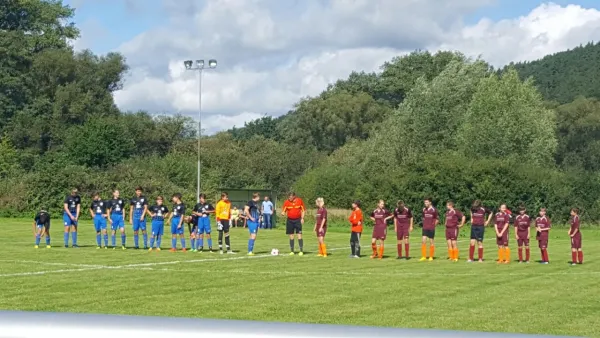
{"x": 223, "y": 210}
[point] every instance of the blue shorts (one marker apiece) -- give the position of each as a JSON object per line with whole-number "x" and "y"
{"x": 137, "y": 224}
{"x": 158, "y": 228}
{"x": 174, "y": 224}
{"x": 204, "y": 225}
{"x": 118, "y": 221}
{"x": 252, "y": 227}
{"x": 68, "y": 221}
{"x": 41, "y": 226}
{"x": 99, "y": 223}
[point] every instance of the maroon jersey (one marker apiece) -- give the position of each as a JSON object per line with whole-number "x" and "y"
{"x": 522, "y": 223}
{"x": 430, "y": 216}
{"x": 478, "y": 216}
{"x": 403, "y": 217}
{"x": 543, "y": 223}
{"x": 574, "y": 224}
{"x": 321, "y": 215}
{"x": 380, "y": 215}
{"x": 453, "y": 218}
{"x": 502, "y": 219}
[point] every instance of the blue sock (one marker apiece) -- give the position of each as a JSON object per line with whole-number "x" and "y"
{"x": 183, "y": 243}
{"x": 152, "y": 242}
{"x": 98, "y": 239}
{"x": 200, "y": 242}
{"x": 174, "y": 242}
{"x": 136, "y": 240}
{"x": 113, "y": 240}
{"x": 250, "y": 245}
{"x": 145, "y": 240}
{"x": 158, "y": 240}
{"x": 74, "y": 237}
{"x": 209, "y": 242}
{"x": 47, "y": 239}
{"x": 123, "y": 237}
{"x": 66, "y": 239}
{"x": 193, "y": 241}
{"x": 105, "y": 239}
{"x": 37, "y": 239}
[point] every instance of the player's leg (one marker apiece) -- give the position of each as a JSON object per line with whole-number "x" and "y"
{"x": 252, "y": 230}
{"x": 300, "y": 240}
{"x": 574, "y": 255}
{"x": 159, "y": 235}
{"x": 472, "y": 244}
{"x": 454, "y": 249}
{"x": 74, "y": 227}
{"x": 114, "y": 226}
{"x": 450, "y": 251}
{"x": 136, "y": 231}
{"x": 46, "y": 232}
{"x": 144, "y": 233}
{"x": 289, "y": 230}
{"x": 322, "y": 244}
{"x": 374, "y": 247}
{"x": 220, "y": 238}
{"x": 38, "y": 234}
{"x": 381, "y": 247}
{"x": 173, "y": 236}
{"x": 432, "y": 245}
{"x": 407, "y": 245}
{"x": 520, "y": 248}
{"x": 399, "y": 243}
{"x": 423, "y": 246}
{"x": 580, "y": 255}
{"x": 353, "y": 244}
{"x": 227, "y": 238}
{"x": 527, "y": 251}
{"x": 181, "y": 234}
{"x": 67, "y": 229}
{"x": 104, "y": 232}
{"x": 123, "y": 234}
{"x": 98, "y": 229}
{"x": 506, "y": 248}
{"x": 154, "y": 228}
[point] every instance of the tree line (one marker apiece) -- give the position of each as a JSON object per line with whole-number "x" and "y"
{"x": 426, "y": 124}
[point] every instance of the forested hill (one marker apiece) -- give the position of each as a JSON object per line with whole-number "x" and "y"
{"x": 565, "y": 75}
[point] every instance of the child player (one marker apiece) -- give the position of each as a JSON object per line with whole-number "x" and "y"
{"x": 542, "y": 225}
{"x": 403, "y": 225}
{"x": 454, "y": 221}
{"x": 575, "y": 234}
{"x": 522, "y": 233}
{"x": 380, "y": 216}
{"x": 41, "y": 226}
{"x": 157, "y": 213}
{"x": 176, "y": 220}
{"x": 501, "y": 227}
{"x": 202, "y": 212}
{"x": 252, "y": 210}
{"x": 430, "y": 221}
{"x": 356, "y": 223}
{"x": 321, "y": 226}
{"x": 98, "y": 211}
{"x": 478, "y": 224}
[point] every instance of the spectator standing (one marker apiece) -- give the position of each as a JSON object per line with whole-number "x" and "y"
{"x": 267, "y": 210}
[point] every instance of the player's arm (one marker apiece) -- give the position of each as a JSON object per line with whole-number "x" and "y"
{"x": 66, "y": 209}
{"x": 108, "y": 211}
{"x": 576, "y": 226}
{"x": 504, "y": 228}
{"x": 412, "y": 223}
{"x": 529, "y": 229}
{"x": 92, "y": 210}
{"x": 196, "y": 210}
{"x": 247, "y": 212}
{"x": 145, "y": 211}
{"x": 395, "y": 223}
{"x": 131, "y": 212}
{"x": 324, "y": 219}
{"x": 303, "y": 210}
{"x": 284, "y": 208}
{"x": 463, "y": 220}
{"x": 181, "y": 218}
{"x": 489, "y": 219}
{"x": 437, "y": 218}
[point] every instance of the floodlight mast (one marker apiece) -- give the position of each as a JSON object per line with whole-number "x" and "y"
{"x": 199, "y": 66}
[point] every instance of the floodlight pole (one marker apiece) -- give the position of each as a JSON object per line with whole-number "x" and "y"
{"x": 199, "y": 66}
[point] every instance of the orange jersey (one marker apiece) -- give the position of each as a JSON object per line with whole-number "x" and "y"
{"x": 223, "y": 210}
{"x": 293, "y": 209}
{"x": 356, "y": 220}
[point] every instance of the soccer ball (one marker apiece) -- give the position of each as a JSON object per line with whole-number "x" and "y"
{"x": 275, "y": 252}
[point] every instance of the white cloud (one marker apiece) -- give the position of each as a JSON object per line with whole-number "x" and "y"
{"x": 273, "y": 52}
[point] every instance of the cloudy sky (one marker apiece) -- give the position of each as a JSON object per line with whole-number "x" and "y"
{"x": 272, "y": 52}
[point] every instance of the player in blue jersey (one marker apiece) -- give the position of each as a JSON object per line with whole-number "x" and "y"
{"x": 201, "y": 214}
{"x": 98, "y": 211}
{"x": 157, "y": 212}
{"x": 41, "y": 227}
{"x": 252, "y": 211}
{"x": 176, "y": 221}
{"x": 72, "y": 208}
{"x": 137, "y": 217}
{"x": 116, "y": 217}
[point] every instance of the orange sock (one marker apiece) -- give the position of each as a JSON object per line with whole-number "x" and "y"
{"x": 320, "y": 249}
{"x": 455, "y": 253}
{"x": 381, "y": 251}
{"x": 450, "y": 253}
{"x": 500, "y": 255}
{"x": 431, "y": 251}
{"x": 374, "y": 248}
{"x": 423, "y": 250}
{"x": 324, "y": 249}
{"x": 507, "y": 254}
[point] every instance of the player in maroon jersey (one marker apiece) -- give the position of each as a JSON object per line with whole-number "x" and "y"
{"x": 478, "y": 224}
{"x": 321, "y": 226}
{"x": 501, "y": 227}
{"x": 380, "y": 216}
{"x": 454, "y": 221}
{"x": 522, "y": 233}
{"x": 542, "y": 226}
{"x": 403, "y": 226}
{"x": 430, "y": 221}
{"x": 575, "y": 234}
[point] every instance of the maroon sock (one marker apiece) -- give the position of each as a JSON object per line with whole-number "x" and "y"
{"x": 520, "y": 254}
{"x": 471, "y": 252}
{"x": 574, "y": 256}
{"x": 406, "y": 247}
{"x": 546, "y": 259}
{"x": 580, "y": 254}
{"x": 543, "y": 255}
{"x": 527, "y": 254}
{"x": 480, "y": 252}
{"x": 399, "y": 250}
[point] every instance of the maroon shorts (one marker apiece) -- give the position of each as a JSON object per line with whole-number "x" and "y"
{"x": 543, "y": 243}
{"x": 321, "y": 233}
{"x": 451, "y": 234}
{"x": 576, "y": 241}
{"x": 502, "y": 240}
{"x": 402, "y": 232}
{"x": 379, "y": 233}
{"x": 522, "y": 240}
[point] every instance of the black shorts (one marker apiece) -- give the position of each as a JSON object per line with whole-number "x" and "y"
{"x": 293, "y": 226}
{"x": 192, "y": 227}
{"x": 477, "y": 232}
{"x": 429, "y": 233}
{"x": 223, "y": 225}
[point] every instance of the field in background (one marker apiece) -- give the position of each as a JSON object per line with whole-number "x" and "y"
{"x": 552, "y": 299}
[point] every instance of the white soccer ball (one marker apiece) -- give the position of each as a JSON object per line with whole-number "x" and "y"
{"x": 274, "y": 252}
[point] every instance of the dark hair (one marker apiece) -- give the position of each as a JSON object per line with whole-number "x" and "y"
{"x": 543, "y": 209}
{"x": 177, "y": 195}
{"x": 292, "y": 194}
{"x": 476, "y": 204}
{"x": 202, "y": 195}
{"x": 139, "y": 188}
{"x": 255, "y": 195}
{"x": 522, "y": 208}
{"x": 428, "y": 199}
{"x": 357, "y": 202}
{"x": 96, "y": 194}
{"x": 450, "y": 203}
{"x": 400, "y": 204}
{"x": 159, "y": 197}
{"x": 224, "y": 194}
{"x": 575, "y": 210}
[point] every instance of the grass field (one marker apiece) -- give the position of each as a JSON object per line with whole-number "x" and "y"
{"x": 549, "y": 299}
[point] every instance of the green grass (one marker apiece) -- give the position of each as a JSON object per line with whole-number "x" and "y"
{"x": 552, "y": 299}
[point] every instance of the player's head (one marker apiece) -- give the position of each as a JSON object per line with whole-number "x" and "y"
{"x": 356, "y": 204}
{"x": 138, "y": 191}
{"x": 292, "y": 196}
{"x": 427, "y": 202}
{"x": 381, "y": 204}
{"x": 400, "y": 205}
{"x": 503, "y": 207}
{"x": 176, "y": 198}
{"x": 255, "y": 197}
{"x": 476, "y": 205}
{"x": 266, "y": 198}
{"x": 202, "y": 198}
{"x": 320, "y": 202}
{"x": 574, "y": 211}
{"x": 159, "y": 200}
{"x": 74, "y": 192}
{"x": 542, "y": 212}
{"x": 187, "y": 219}
{"x": 450, "y": 205}
{"x": 116, "y": 194}
{"x": 224, "y": 196}
{"x": 522, "y": 209}
{"x": 96, "y": 196}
